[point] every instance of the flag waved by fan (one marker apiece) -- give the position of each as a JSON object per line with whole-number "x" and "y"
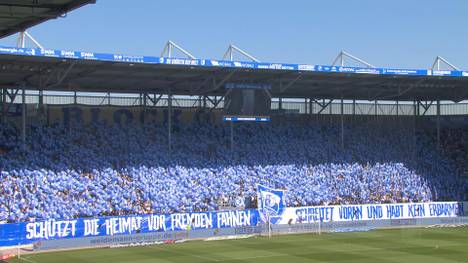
{"x": 271, "y": 203}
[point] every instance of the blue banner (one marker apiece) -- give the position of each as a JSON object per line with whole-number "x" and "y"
{"x": 25, "y": 233}
{"x": 271, "y": 208}
{"x": 64, "y": 54}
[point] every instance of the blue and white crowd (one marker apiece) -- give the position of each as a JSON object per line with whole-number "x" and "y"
{"x": 94, "y": 170}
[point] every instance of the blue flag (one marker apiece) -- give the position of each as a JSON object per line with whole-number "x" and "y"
{"x": 271, "y": 204}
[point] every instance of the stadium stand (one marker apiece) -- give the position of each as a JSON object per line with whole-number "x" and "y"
{"x": 18, "y": 15}
{"x": 99, "y": 169}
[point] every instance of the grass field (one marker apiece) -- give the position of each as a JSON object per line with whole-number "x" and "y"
{"x": 399, "y": 245}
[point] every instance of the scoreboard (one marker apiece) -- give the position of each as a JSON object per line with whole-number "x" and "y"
{"x": 247, "y": 102}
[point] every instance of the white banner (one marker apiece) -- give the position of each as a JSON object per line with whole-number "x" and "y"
{"x": 370, "y": 212}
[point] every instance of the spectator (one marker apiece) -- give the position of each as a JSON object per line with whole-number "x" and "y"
{"x": 112, "y": 170}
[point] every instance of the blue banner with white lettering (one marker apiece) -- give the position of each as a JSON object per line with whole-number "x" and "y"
{"x": 271, "y": 204}
{"x": 65, "y": 54}
{"x": 24, "y": 233}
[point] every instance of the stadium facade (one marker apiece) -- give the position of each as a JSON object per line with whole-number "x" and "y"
{"x": 104, "y": 149}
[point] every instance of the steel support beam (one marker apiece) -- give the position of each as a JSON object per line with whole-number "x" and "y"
{"x": 305, "y": 106}
{"x": 323, "y": 105}
{"x": 375, "y": 107}
{"x": 343, "y": 54}
{"x": 342, "y": 123}
{"x": 217, "y": 102}
{"x": 11, "y": 95}
{"x": 167, "y": 50}
{"x": 229, "y": 54}
{"x": 416, "y": 113}
{"x": 200, "y": 86}
{"x": 41, "y": 98}
{"x": 3, "y": 98}
{"x": 210, "y": 100}
{"x": 436, "y": 64}
{"x": 438, "y": 125}
{"x": 23, "y": 119}
{"x": 397, "y": 108}
{"x": 62, "y": 77}
{"x": 21, "y": 42}
{"x": 418, "y": 110}
{"x": 354, "y": 107}
{"x": 218, "y": 85}
{"x": 232, "y": 136}
{"x": 169, "y": 123}
{"x": 154, "y": 100}
{"x": 144, "y": 103}
{"x": 311, "y": 109}
{"x": 283, "y": 89}
{"x": 426, "y": 106}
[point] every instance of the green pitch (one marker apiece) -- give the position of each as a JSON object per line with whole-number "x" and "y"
{"x": 402, "y": 245}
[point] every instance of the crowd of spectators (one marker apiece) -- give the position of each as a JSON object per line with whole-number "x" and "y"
{"x": 97, "y": 169}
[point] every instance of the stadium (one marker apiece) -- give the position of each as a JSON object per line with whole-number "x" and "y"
{"x": 175, "y": 158}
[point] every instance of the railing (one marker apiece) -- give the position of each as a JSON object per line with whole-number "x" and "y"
{"x": 300, "y": 106}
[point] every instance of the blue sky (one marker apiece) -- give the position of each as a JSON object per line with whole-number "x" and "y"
{"x": 396, "y": 33}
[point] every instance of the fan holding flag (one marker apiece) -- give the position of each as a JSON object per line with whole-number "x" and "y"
{"x": 271, "y": 205}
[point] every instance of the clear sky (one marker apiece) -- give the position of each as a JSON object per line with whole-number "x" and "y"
{"x": 391, "y": 33}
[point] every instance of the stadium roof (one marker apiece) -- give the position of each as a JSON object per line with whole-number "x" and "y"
{"x": 97, "y": 72}
{"x": 18, "y": 15}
